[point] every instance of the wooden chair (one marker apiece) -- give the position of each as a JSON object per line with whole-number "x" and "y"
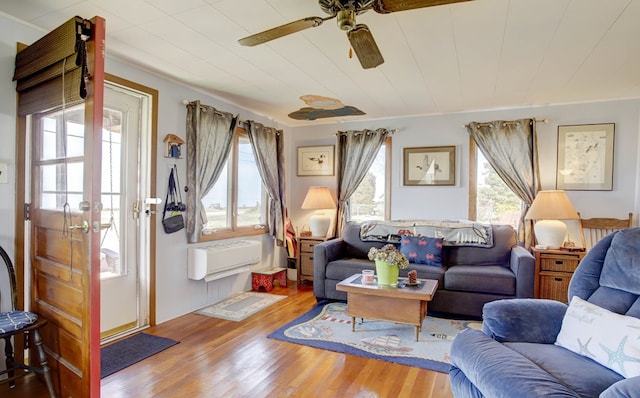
{"x": 12, "y": 324}
{"x": 594, "y": 229}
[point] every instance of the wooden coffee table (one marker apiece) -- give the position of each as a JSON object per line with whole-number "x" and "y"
{"x": 406, "y": 305}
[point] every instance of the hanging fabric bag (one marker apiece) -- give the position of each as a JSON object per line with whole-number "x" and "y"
{"x": 175, "y": 222}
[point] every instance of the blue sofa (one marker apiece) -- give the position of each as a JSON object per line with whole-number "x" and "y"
{"x": 470, "y": 276}
{"x": 515, "y": 354}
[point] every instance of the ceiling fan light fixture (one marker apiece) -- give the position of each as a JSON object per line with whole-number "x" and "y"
{"x": 346, "y": 19}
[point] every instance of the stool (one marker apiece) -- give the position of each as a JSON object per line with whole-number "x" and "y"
{"x": 263, "y": 279}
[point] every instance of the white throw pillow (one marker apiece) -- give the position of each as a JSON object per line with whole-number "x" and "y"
{"x": 611, "y": 339}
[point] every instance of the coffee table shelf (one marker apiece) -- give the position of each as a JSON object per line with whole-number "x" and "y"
{"x": 407, "y": 305}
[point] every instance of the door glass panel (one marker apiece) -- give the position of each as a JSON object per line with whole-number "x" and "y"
{"x": 60, "y": 159}
{"x": 110, "y": 218}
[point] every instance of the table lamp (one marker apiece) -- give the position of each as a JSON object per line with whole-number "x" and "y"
{"x": 319, "y": 198}
{"x": 547, "y": 209}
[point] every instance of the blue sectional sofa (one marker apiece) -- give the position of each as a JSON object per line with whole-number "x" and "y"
{"x": 469, "y": 277}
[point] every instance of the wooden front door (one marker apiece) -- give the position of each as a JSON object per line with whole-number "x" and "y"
{"x": 64, "y": 234}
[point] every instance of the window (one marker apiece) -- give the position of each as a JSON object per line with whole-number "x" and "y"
{"x": 236, "y": 205}
{"x": 371, "y": 200}
{"x": 490, "y": 199}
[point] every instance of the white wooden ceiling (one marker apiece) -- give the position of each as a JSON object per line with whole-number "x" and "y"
{"x": 483, "y": 54}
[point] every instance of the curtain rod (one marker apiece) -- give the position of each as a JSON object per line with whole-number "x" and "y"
{"x": 508, "y": 122}
{"x": 243, "y": 123}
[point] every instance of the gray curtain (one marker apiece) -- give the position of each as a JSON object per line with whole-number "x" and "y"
{"x": 510, "y": 147}
{"x": 356, "y": 152}
{"x": 209, "y": 141}
{"x": 267, "y": 146}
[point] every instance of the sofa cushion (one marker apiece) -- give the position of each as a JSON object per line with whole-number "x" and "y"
{"x": 422, "y": 250}
{"x": 580, "y": 374}
{"x": 487, "y": 279}
{"x": 623, "y": 252}
{"x": 354, "y": 247}
{"x": 498, "y": 371}
{"x": 345, "y": 267}
{"x": 504, "y": 238}
{"x": 426, "y": 272}
{"x": 610, "y": 339}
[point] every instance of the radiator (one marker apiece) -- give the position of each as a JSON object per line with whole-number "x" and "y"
{"x": 222, "y": 259}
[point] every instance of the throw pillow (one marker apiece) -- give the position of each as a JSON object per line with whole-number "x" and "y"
{"x": 422, "y": 250}
{"x": 611, "y": 339}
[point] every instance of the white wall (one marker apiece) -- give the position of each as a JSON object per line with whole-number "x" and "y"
{"x": 452, "y": 202}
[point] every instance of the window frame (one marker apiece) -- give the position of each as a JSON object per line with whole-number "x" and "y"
{"x": 233, "y": 230}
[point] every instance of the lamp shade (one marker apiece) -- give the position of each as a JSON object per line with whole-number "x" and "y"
{"x": 319, "y": 198}
{"x": 548, "y": 208}
{"x": 551, "y": 205}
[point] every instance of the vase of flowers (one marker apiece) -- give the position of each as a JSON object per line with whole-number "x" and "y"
{"x": 388, "y": 263}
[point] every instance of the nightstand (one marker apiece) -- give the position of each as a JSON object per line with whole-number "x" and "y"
{"x": 554, "y": 269}
{"x": 305, "y": 256}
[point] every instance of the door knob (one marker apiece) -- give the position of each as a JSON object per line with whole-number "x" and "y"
{"x": 84, "y": 227}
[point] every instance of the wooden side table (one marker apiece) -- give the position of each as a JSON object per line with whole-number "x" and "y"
{"x": 554, "y": 269}
{"x": 305, "y": 256}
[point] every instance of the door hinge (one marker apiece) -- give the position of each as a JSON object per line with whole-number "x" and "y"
{"x": 27, "y": 211}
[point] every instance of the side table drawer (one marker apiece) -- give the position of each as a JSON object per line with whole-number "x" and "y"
{"x": 558, "y": 264}
{"x": 307, "y": 246}
{"x": 306, "y": 264}
{"x": 555, "y": 286}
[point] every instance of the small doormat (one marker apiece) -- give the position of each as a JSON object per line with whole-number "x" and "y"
{"x": 126, "y": 352}
{"x": 241, "y": 306}
{"x": 327, "y": 326}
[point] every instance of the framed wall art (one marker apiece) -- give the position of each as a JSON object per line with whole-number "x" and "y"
{"x": 585, "y": 157}
{"x": 316, "y": 160}
{"x": 435, "y": 165}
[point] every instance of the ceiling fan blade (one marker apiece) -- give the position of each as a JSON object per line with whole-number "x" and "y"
{"x": 282, "y": 30}
{"x": 388, "y": 6}
{"x": 365, "y": 46}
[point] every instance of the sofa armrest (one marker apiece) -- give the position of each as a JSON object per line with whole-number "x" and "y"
{"x": 323, "y": 254}
{"x": 523, "y": 320}
{"x": 625, "y": 388}
{"x": 523, "y": 265}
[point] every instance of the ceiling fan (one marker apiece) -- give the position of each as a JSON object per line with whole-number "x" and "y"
{"x": 345, "y": 11}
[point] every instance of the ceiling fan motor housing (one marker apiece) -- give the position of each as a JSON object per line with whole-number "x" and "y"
{"x": 346, "y": 19}
{"x": 332, "y": 7}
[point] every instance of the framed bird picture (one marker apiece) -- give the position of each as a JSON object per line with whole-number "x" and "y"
{"x": 434, "y": 165}
{"x": 316, "y": 160}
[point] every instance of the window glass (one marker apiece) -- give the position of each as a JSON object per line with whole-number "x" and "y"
{"x": 215, "y": 202}
{"x": 250, "y": 192}
{"x": 495, "y": 202}
{"x": 237, "y": 202}
{"x": 369, "y": 202}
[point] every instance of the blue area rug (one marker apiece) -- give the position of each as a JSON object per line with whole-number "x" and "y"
{"x": 328, "y": 326}
{"x": 126, "y": 352}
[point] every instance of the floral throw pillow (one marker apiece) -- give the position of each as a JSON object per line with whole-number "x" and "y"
{"x": 422, "y": 250}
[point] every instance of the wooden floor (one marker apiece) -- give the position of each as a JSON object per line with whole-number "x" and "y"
{"x": 219, "y": 358}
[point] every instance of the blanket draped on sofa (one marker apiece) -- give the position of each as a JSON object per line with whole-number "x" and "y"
{"x": 454, "y": 233}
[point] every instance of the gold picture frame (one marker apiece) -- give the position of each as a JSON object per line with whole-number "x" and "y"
{"x": 585, "y": 157}
{"x": 429, "y": 166}
{"x": 316, "y": 160}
